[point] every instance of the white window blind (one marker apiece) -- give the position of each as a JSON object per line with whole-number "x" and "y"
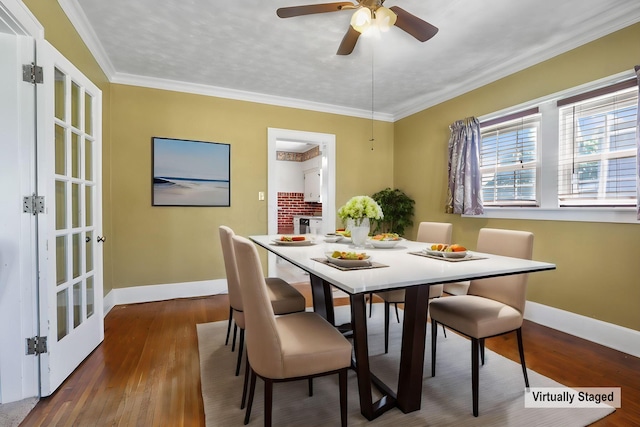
{"x": 508, "y": 159}
{"x": 597, "y": 157}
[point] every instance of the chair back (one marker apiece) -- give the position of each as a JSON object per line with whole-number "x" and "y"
{"x": 510, "y": 290}
{"x": 434, "y": 232}
{"x": 231, "y": 268}
{"x": 264, "y": 347}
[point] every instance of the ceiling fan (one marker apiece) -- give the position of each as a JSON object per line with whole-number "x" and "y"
{"x": 369, "y": 13}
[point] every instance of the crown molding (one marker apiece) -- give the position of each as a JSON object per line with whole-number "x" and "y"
{"x": 597, "y": 28}
{"x": 238, "y": 95}
{"x": 527, "y": 59}
{"x": 80, "y": 22}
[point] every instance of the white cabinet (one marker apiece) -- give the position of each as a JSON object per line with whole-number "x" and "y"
{"x": 312, "y": 185}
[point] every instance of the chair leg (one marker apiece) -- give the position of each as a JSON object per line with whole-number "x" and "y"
{"x": 481, "y": 340}
{"x": 226, "y": 341}
{"x": 475, "y": 374}
{"x": 386, "y": 327}
{"x": 521, "y": 350}
{"x": 246, "y": 383}
{"x": 444, "y": 331}
{"x": 240, "y": 347}
{"x": 434, "y": 333}
{"x": 310, "y": 386}
{"x": 252, "y": 389}
{"x": 370, "y": 303}
{"x": 235, "y": 332}
{"x": 268, "y": 401}
{"x": 342, "y": 375}
{"x": 397, "y": 315}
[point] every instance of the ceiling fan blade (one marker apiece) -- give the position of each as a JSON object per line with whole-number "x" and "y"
{"x": 289, "y": 12}
{"x": 348, "y": 42}
{"x": 413, "y": 25}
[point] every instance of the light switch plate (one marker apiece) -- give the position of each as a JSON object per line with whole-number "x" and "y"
{"x": 260, "y": 195}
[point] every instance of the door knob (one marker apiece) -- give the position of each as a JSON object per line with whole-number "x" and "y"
{"x": 101, "y": 238}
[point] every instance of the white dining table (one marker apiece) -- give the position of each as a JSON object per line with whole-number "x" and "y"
{"x": 393, "y": 268}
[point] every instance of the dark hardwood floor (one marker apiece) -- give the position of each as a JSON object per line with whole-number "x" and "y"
{"x": 147, "y": 372}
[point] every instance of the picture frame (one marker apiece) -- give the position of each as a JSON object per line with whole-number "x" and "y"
{"x": 190, "y": 173}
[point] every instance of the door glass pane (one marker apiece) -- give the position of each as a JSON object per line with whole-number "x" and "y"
{"x": 61, "y": 260}
{"x": 61, "y": 158}
{"x": 77, "y": 304}
{"x": 61, "y": 203}
{"x": 89, "y": 251}
{"x": 63, "y": 311}
{"x": 75, "y": 105}
{"x": 75, "y": 205}
{"x": 88, "y": 160}
{"x": 76, "y": 255}
{"x": 90, "y": 296}
{"x": 59, "y": 94}
{"x": 88, "y": 205}
{"x": 88, "y": 114}
{"x": 75, "y": 155}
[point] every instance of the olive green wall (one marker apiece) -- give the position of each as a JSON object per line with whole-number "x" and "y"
{"x": 156, "y": 245}
{"x": 63, "y": 36}
{"x": 598, "y": 264}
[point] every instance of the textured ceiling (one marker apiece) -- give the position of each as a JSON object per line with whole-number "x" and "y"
{"x": 241, "y": 49}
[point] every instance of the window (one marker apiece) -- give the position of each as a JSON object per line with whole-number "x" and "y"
{"x": 597, "y": 160}
{"x": 508, "y": 159}
{"x": 568, "y": 156}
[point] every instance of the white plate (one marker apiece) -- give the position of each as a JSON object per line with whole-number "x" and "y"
{"x": 384, "y": 243}
{"x": 446, "y": 254}
{"x": 305, "y": 242}
{"x": 349, "y": 262}
{"x": 332, "y": 238}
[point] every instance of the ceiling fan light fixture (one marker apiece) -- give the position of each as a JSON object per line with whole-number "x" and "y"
{"x": 384, "y": 18}
{"x": 361, "y": 19}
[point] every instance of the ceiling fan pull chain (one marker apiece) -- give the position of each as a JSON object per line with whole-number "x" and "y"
{"x": 372, "y": 96}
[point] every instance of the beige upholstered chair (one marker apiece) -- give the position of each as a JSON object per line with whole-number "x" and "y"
{"x": 493, "y": 306}
{"x": 456, "y": 288}
{"x": 428, "y": 232}
{"x": 285, "y": 348}
{"x": 284, "y": 297}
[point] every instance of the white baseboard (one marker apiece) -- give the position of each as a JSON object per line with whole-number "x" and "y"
{"x": 607, "y": 334}
{"x": 149, "y": 293}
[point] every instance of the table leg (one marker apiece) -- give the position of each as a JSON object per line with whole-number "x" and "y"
{"x": 369, "y": 409}
{"x": 412, "y": 351}
{"x": 322, "y": 298}
{"x": 323, "y": 305}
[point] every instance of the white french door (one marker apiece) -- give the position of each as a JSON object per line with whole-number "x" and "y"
{"x": 70, "y": 236}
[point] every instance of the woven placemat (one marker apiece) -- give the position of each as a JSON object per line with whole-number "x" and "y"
{"x": 469, "y": 258}
{"x": 339, "y": 267}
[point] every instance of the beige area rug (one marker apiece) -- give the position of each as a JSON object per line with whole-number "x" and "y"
{"x": 12, "y": 414}
{"x": 446, "y": 398}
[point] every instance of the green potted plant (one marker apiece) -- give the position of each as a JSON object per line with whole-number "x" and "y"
{"x": 398, "y": 211}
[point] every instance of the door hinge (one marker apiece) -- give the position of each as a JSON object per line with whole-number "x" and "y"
{"x": 36, "y": 345}
{"x": 32, "y": 73}
{"x": 33, "y": 204}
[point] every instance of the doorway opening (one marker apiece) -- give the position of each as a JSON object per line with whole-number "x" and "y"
{"x": 327, "y": 146}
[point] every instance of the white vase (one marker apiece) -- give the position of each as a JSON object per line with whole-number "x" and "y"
{"x": 359, "y": 231}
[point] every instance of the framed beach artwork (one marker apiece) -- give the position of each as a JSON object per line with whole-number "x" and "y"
{"x": 190, "y": 173}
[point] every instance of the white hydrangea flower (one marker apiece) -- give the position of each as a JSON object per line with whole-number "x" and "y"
{"x": 359, "y": 207}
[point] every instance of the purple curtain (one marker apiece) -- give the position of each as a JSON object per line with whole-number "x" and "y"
{"x": 464, "y": 168}
{"x": 637, "y": 68}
